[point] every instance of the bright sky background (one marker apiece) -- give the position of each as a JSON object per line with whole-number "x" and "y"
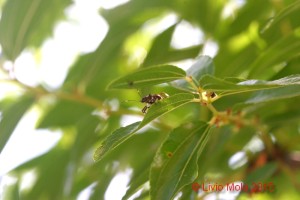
{"x": 57, "y": 55}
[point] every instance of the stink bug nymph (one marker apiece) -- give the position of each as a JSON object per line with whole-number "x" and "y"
{"x": 151, "y": 99}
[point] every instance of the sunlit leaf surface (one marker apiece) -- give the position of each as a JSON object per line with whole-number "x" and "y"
{"x": 226, "y": 87}
{"x": 148, "y": 76}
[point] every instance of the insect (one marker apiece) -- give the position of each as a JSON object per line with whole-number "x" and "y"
{"x": 151, "y": 99}
{"x": 212, "y": 94}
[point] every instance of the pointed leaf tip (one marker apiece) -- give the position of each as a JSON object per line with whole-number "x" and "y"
{"x": 114, "y": 140}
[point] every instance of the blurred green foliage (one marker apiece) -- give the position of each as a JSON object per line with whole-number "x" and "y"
{"x": 249, "y": 94}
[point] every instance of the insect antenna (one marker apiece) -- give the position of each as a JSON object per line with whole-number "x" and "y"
{"x": 125, "y": 101}
{"x": 131, "y": 100}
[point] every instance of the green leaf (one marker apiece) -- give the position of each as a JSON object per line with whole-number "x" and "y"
{"x": 148, "y": 76}
{"x": 11, "y": 191}
{"x": 225, "y": 87}
{"x": 64, "y": 113}
{"x": 234, "y": 61}
{"x": 203, "y": 65}
{"x": 136, "y": 183}
{"x": 285, "y": 117}
{"x": 208, "y": 18}
{"x": 104, "y": 63}
{"x": 187, "y": 193}
{"x": 261, "y": 174}
{"x": 156, "y": 110}
{"x": 245, "y": 16}
{"x": 288, "y": 16}
{"x": 274, "y": 94}
{"x": 161, "y": 52}
{"x": 85, "y": 137}
{"x": 166, "y": 105}
{"x": 28, "y": 22}
{"x": 115, "y": 139}
{"x": 11, "y": 116}
{"x": 159, "y": 47}
{"x": 175, "y": 164}
{"x": 174, "y": 55}
{"x": 279, "y": 53}
{"x": 49, "y": 175}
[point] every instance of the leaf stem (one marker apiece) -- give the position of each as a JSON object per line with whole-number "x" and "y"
{"x": 87, "y": 100}
{"x": 213, "y": 109}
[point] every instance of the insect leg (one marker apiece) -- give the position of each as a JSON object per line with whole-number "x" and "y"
{"x": 144, "y": 109}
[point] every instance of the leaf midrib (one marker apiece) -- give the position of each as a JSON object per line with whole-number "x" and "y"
{"x": 25, "y": 25}
{"x": 166, "y": 164}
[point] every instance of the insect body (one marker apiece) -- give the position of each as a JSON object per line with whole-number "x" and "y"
{"x": 151, "y": 99}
